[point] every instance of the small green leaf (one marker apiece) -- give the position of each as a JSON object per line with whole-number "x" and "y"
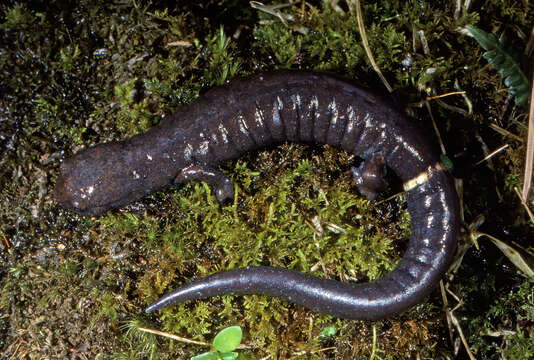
{"x": 447, "y": 163}
{"x": 212, "y": 355}
{"x": 228, "y": 339}
{"x": 229, "y": 355}
{"x": 498, "y": 55}
{"x": 328, "y": 332}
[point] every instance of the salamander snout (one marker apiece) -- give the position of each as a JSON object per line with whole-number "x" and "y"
{"x": 88, "y": 183}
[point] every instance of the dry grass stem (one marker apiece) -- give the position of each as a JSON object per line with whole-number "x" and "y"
{"x": 519, "y": 260}
{"x": 363, "y": 34}
{"x": 8, "y": 245}
{"x": 530, "y": 45}
{"x": 505, "y": 132}
{"x": 435, "y": 97}
{"x": 529, "y": 162}
{"x": 182, "y": 339}
{"x": 525, "y": 205}
{"x": 493, "y": 153}
{"x": 456, "y": 324}
{"x": 180, "y": 43}
{"x": 436, "y": 130}
{"x": 446, "y": 309}
{"x": 174, "y": 337}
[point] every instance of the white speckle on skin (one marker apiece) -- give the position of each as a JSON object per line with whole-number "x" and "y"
{"x": 86, "y": 192}
{"x": 136, "y": 175}
{"x": 277, "y": 106}
{"x": 368, "y": 118}
{"x": 258, "y": 117}
{"x": 428, "y": 201}
{"x": 203, "y": 148}
{"x": 408, "y": 147}
{"x": 350, "y": 120}
{"x": 395, "y": 149}
{"x": 224, "y": 133}
{"x": 280, "y": 103}
{"x": 296, "y": 101}
{"x": 332, "y": 107}
{"x": 446, "y": 212}
{"x": 429, "y": 221}
{"x": 243, "y": 126}
{"x": 188, "y": 152}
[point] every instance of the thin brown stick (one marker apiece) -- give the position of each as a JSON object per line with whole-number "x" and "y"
{"x": 442, "y": 147}
{"x": 493, "y": 153}
{"x": 365, "y": 43}
{"x": 456, "y": 323}
{"x": 300, "y": 353}
{"x": 529, "y": 162}
{"x": 8, "y": 245}
{"x": 457, "y": 92}
{"x": 446, "y": 309}
{"x": 174, "y": 337}
{"x": 182, "y": 339}
{"x": 435, "y": 97}
{"x": 530, "y": 45}
{"x": 505, "y": 132}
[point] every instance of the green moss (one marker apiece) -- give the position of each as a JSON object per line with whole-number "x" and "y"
{"x": 17, "y": 17}
{"x": 270, "y": 215}
{"x": 511, "y": 311}
{"x": 140, "y": 344}
{"x": 222, "y": 64}
{"x": 94, "y": 71}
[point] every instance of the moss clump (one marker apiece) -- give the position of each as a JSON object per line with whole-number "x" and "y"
{"x": 75, "y": 75}
{"x": 513, "y": 311}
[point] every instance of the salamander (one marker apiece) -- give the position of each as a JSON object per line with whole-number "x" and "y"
{"x": 267, "y": 109}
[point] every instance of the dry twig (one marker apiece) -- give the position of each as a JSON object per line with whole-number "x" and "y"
{"x": 8, "y": 245}
{"x": 174, "y": 337}
{"x": 182, "y": 339}
{"x": 491, "y": 154}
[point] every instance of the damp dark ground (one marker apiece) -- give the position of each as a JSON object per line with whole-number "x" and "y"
{"x": 77, "y": 73}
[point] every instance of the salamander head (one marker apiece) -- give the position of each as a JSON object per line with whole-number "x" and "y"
{"x": 101, "y": 178}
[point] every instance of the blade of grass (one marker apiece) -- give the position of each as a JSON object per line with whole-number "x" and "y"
{"x": 525, "y": 205}
{"x": 530, "y": 147}
{"x": 363, "y": 34}
{"x": 519, "y": 260}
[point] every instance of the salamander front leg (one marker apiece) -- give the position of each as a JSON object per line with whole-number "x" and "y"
{"x": 370, "y": 176}
{"x": 219, "y": 182}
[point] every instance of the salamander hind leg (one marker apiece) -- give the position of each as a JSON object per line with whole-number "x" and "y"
{"x": 219, "y": 182}
{"x": 370, "y": 176}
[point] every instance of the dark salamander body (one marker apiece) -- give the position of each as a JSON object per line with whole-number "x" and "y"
{"x": 267, "y": 109}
